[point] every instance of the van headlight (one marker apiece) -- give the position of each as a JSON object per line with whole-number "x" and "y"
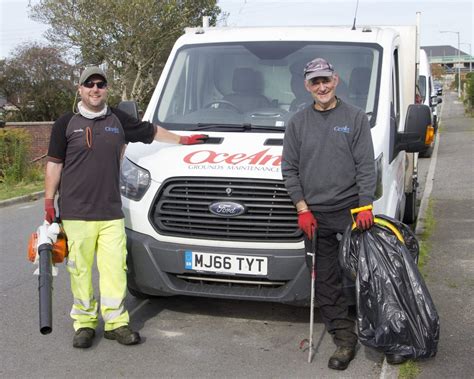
{"x": 379, "y": 175}
{"x": 134, "y": 180}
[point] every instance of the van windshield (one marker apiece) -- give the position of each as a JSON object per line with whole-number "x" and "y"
{"x": 260, "y": 83}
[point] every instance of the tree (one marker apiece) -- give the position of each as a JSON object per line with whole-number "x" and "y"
{"x": 38, "y": 82}
{"x": 437, "y": 70}
{"x": 133, "y": 38}
{"x": 469, "y": 98}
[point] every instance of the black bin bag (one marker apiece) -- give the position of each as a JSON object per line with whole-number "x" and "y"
{"x": 395, "y": 312}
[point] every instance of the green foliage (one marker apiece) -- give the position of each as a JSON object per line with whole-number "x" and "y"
{"x": 132, "y": 38}
{"x": 37, "y": 81}
{"x": 454, "y": 83}
{"x": 35, "y": 173}
{"x": 469, "y": 99}
{"x": 409, "y": 370}
{"x": 13, "y": 155}
{"x": 424, "y": 241}
{"x": 8, "y": 191}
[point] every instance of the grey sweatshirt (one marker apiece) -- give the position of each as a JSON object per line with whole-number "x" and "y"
{"x": 328, "y": 158}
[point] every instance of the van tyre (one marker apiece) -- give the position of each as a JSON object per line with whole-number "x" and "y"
{"x": 427, "y": 153}
{"x": 137, "y": 294}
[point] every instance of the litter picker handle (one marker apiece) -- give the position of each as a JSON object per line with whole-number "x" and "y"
{"x": 358, "y": 210}
{"x": 314, "y": 241}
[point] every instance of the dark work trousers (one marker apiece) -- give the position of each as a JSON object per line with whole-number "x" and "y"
{"x": 329, "y": 290}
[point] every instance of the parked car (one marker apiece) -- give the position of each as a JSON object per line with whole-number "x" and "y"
{"x": 438, "y": 86}
{"x": 2, "y": 120}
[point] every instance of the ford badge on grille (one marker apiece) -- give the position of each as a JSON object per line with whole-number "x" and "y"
{"x": 226, "y": 208}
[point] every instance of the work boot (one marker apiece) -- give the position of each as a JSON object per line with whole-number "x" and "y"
{"x": 395, "y": 359}
{"x": 83, "y": 338}
{"x": 341, "y": 358}
{"x": 123, "y": 335}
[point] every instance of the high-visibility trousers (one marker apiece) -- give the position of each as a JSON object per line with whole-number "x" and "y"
{"x": 108, "y": 239}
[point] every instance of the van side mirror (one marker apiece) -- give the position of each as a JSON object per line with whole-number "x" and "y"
{"x": 417, "y": 124}
{"x": 435, "y": 100}
{"x": 130, "y": 107}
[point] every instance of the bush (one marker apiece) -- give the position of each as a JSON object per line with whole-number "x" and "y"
{"x": 470, "y": 91}
{"x": 13, "y": 155}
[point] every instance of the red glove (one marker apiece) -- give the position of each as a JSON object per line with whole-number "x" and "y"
{"x": 193, "y": 139}
{"x": 365, "y": 220}
{"x": 49, "y": 211}
{"x": 307, "y": 223}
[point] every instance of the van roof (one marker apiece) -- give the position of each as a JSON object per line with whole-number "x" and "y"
{"x": 370, "y": 34}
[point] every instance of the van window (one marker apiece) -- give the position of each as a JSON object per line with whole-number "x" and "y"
{"x": 260, "y": 83}
{"x": 422, "y": 87}
{"x": 395, "y": 99}
{"x": 394, "y": 105}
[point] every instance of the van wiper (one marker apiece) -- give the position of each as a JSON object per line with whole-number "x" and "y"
{"x": 211, "y": 125}
{"x": 243, "y": 127}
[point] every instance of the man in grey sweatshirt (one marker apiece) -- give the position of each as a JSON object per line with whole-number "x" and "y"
{"x": 328, "y": 167}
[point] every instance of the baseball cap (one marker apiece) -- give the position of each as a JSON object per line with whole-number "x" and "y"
{"x": 318, "y": 67}
{"x": 89, "y": 71}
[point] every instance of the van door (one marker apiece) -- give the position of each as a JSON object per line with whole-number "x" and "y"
{"x": 395, "y": 178}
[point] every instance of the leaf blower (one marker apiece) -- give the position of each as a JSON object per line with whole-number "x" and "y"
{"x": 47, "y": 246}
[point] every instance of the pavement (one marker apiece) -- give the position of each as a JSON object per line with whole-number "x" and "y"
{"x": 449, "y": 272}
{"x": 449, "y": 194}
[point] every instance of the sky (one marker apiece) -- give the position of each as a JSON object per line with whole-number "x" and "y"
{"x": 436, "y": 15}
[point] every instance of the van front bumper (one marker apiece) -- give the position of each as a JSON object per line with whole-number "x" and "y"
{"x": 158, "y": 269}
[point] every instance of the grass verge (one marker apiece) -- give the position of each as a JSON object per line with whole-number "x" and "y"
{"x": 410, "y": 369}
{"x": 425, "y": 244}
{"x": 19, "y": 189}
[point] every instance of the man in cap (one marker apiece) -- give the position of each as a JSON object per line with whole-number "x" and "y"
{"x": 328, "y": 167}
{"x": 84, "y": 157}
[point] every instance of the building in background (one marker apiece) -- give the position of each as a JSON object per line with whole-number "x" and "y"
{"x": 448, "y": 56}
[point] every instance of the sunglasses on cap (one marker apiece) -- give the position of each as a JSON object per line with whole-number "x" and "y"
{"x": 91, "y": 84}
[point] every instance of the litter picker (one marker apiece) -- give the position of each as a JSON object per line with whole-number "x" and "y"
{"x": 311, "y": 253}
{"x": 313, "y": 284}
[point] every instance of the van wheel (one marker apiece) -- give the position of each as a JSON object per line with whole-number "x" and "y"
{"x": 410, "y": 209}
{"x": 427, "y": 153}
{"x": 435, "y": 123}
{"x": 137, "y": 294}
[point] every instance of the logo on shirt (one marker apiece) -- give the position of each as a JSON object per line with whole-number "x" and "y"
{"x": 112, "y": 130}
{"x": 78, "y": 130}
{"x": 342, "y": 129}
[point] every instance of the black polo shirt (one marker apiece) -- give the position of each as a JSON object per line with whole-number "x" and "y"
{"x": 91, "y": 151}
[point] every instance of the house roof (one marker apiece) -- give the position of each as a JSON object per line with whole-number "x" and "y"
{"x": 441, "y": 51}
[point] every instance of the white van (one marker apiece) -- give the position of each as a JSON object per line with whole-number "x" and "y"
{"x": 215, "y": 220}
{"x": 429, "y": 97}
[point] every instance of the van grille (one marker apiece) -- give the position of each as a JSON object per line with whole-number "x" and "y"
{"x": 231, "y": 281}
{"x": 181, "y": 209}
